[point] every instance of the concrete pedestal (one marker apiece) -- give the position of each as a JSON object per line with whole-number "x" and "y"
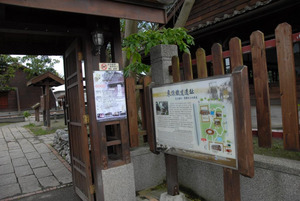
{"x": 118, "y": 183}
{"x": 166, "y": 197}
{"x": 161, "y": 59}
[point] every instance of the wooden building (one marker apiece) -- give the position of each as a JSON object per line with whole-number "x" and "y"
{"x": 214, "y": 21}
{"x": 21, "y": 98}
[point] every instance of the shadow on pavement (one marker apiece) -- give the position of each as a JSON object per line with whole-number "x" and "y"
{"x": 66, "y": 194}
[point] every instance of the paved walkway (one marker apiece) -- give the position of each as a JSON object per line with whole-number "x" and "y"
{"x": 27, "y": 165}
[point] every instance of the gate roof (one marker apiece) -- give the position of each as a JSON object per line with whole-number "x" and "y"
{"x": 46, "y": 78}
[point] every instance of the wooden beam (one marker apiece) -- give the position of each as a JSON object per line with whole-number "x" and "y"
{"x": 98, "y": 8}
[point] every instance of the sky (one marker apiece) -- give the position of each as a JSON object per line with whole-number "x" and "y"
{"x": 60, "y": 66}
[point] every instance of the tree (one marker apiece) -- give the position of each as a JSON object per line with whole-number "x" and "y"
{"x": 8, "y": 67}
{"x": 37, "y": 65}
{"x": 143, "y": 41}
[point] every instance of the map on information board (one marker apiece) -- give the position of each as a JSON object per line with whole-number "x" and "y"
{"x": 196, "y": 119}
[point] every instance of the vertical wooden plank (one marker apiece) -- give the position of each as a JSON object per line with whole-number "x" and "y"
{"x": 243, "y": 121}
{"x": 201, "y": 63}
{"x": 175, "y": 69}
{"x": 145, "y": 81}
{"x": 47, "y": 104}
{"x": 116, "y": 43}
{"x": 150, "y": 123}
{"x": 236, "y": 55}
{"x": 231, "y": 177}
{"x": 260, "y": 74}
{"x": 172, "y": 174}
{"x": 132, "y": 112}
{"x": 103, "y": 145}
{"x": 287, "y": 79}
{"x": 125, "y": 141}
{"x": 231, "y": 181}
{"x": 187, "y": 66}
{"x": 217, "y": 59}
{"x": 91, "y": 64}
{"x": 171, "y": 161}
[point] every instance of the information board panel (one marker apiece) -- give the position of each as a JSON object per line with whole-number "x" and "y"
{"x": 110, "y": 98}
{"x": 195, "y": 119}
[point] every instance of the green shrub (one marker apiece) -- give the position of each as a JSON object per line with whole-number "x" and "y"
{"x": 26, "y": 114}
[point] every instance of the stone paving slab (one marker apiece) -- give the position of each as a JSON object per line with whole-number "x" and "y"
{"x": 4, "y": 153}
{"x": 36, "y": 162}
{"x": 9, "y": 190}
{"x": 8, "y": 168}
{"x": 42, "y": 172}
{"x": 16, "y": 154}
{"x": 3, "y": 148}
{"x": 49, "y": 181}
{"x": 29, "y": 184}
{"x": 63, "y": 175}
{"x": 27, "y": 165}
{"x": 5, "y": 160}
{"x": 19, "y": 162}
{"x": 7, "y": 179}
{"x": 32, "y": 155}
{"x": 23, "y": 171}
{"x": 42, "y": 148}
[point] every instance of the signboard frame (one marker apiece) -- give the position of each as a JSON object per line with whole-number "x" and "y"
{"x": 192, "y": 154}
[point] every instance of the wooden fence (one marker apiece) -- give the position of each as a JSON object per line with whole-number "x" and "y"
{"x": 287, "y": 78}
{"x": 132, "y": 89}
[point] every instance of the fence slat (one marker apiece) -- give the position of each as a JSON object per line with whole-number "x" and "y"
{"x": 243, "y": 121}
{"x": 176, "y": 69}
{"x": 231, "y": 177}
{"x": 132, "y": 112}
{"x": 287, "y": 79}
{"x": 201, "y": 63}
{"x": 260, "y": 76}
{"x": 145, "y": 81}
{"x": 150, "y": 123}
{"x": 187, "y": 66}
{"x": 236, "y": 55}
{"x": 217, "y": 59}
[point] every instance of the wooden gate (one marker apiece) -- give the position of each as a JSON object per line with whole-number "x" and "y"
{"x": 80, "y": 157}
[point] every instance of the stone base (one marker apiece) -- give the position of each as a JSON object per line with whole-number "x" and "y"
{"x": 166, "y": 197}
{"x": 118, "y": 183}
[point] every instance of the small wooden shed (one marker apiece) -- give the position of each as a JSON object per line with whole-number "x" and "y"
{"x": 46, "y": 81}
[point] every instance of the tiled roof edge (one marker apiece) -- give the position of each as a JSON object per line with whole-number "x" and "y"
{"x": 233, "y": 14}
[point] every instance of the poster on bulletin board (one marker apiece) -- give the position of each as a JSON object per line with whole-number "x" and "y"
{"x": 110, "y": 99}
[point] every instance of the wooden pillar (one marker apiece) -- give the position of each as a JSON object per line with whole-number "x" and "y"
{"x": 48, "y": 104}
{"x": 91, "y": 64}
{"x": 44, "y": 106}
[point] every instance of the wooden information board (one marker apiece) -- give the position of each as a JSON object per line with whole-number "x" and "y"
{"x": 196, "y": 119}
